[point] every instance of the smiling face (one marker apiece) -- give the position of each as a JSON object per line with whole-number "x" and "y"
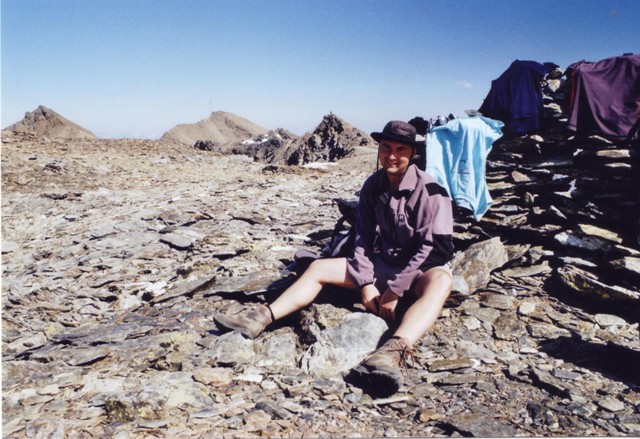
{"x": 395, "y": 157}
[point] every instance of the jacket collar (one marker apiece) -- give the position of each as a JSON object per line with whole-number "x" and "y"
{"x": 407, "y": 184}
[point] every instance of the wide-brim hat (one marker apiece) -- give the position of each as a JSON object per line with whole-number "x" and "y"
{"x": 399, "y": 131}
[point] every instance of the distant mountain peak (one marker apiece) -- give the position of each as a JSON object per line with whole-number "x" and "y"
{"x": 45, "y": 122}
{"x": 220, "y": 127}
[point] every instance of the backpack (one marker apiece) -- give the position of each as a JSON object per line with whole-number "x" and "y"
{"x": 341, "y": 242}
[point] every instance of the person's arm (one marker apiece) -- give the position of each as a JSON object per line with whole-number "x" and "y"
{"x": 371, "y": 298}
{"x": 360, "y": 266}
{"x": 434, "y": 230}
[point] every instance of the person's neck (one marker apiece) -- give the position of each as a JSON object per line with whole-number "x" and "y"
{"x": 394, "y": 182}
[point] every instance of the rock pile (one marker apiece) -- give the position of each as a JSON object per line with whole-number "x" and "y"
{"x": 332, "y": 140}
{"x": 266, "y": 148}
{"x": 578, "y": 198}
{"x": 116, "y": 254}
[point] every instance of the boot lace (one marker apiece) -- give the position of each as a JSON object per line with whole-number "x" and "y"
{"x": 401, "y": 353}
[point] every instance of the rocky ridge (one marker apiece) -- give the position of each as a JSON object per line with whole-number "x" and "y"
{"x": 116, "y": 253}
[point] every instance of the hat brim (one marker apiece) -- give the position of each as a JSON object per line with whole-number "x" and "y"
{"x": 381, "y": 136}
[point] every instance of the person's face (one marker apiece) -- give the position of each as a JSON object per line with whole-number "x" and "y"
{"x": 395, "y": 157}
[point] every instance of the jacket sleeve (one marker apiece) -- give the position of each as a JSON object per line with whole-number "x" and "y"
{"x": 360, "y": 266}
{"x": 434, "y": 231}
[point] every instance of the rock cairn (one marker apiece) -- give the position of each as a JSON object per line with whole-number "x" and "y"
{"x": 578, "y": 198}
{"x": 116, "y": 254}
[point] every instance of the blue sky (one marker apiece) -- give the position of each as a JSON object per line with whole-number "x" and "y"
{"x": 136, "y": 68}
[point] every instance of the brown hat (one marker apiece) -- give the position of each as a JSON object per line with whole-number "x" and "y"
{"x": 399, "y": 131}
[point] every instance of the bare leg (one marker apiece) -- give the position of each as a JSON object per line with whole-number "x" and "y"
{"x": 432, "y": 289}
{"x": 321, "y": 272}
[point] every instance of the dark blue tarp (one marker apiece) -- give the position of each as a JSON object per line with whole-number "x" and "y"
{"x": 605, "y": 96}
{"x": 515, "y": 98}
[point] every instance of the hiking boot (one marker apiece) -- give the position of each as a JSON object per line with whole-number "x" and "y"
{"x": 249, "y": 323}
{"x": 380, "y": 374}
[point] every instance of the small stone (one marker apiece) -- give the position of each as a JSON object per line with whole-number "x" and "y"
{"x": 526, "y": 308}
{"x": 565, "y": 374}
{"x": 256, "y": 421}
{"x": 471, "y": 323}
{"x": 51, "y": 389}
{"x": 611, "y": 404}
{"x": 213, "y": 376}
{"x": 453, "y": 364}
{"x": 606, "y": 320}
{"x": 508, "y": 327}
{"x": 427, "y": 415}
{"x": 176, "y": 241}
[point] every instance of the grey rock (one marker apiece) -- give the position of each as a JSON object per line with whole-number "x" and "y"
{"x": 477, "y": 262}
{"x": 232, "y": 349}
{"x": 480, "y": 426}
{"x": 340, "y": 348}
{"x": 452, "y": 364}
{"x": 551, "y": 384}
{"x": 611, "y": 404}
{"x": 473, "y": 350}
{"x": 509, "y": 327}
{"x": 583, "y": 282}
{"x": 277, "y": 350}
{"x": 592, "y": 243}
{"x": 9, "y": 246}
{"x": 607, "y": 320}
{"x": 179, "y": 242}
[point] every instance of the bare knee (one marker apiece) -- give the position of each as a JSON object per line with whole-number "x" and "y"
{"x": 328, "y": 271}
{"x": 318, "y": 267}
{"x": 435, "y": 281}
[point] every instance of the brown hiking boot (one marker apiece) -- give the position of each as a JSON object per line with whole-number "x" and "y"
{"x": 380, "y": 374}
{"x": 249, "y": 323}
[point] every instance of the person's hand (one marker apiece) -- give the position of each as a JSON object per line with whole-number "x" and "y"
{"x": 371, "y": 298}
{"x": 388, "y": 303}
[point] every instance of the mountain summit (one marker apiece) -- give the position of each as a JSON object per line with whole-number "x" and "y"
{"x": 220, "y": 128}
{"x": 45, "y": 122}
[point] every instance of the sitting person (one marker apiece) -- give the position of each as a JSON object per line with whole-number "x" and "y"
{"x": 403, "y": 246}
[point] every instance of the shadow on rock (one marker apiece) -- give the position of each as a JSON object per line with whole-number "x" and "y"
{"x": 617, "y": 362}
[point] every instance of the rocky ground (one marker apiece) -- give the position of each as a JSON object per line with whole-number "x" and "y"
{"x": 116, "y": 253}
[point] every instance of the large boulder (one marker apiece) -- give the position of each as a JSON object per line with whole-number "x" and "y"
{"x": 476, "y": 263}
{"x": 342, "y": 347}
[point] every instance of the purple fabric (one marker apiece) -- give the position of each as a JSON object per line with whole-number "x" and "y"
{"x": 605, "y": 96}
{"x": 515, "y": 98}
{"x": 411, "y": 231}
